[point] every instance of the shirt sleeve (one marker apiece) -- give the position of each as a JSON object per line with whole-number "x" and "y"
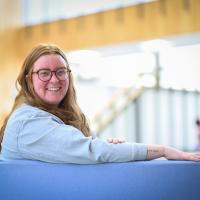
{"x": 44, "y": 138}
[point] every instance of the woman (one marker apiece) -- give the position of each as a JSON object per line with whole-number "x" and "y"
{"x": 47, "y": 124}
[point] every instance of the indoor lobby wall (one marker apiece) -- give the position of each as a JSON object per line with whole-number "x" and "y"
{"x": 139, "y": 22}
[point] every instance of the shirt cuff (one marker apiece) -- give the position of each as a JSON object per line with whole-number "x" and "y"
{"x": 139, "y": 151}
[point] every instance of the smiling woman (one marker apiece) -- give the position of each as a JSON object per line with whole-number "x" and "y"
{"x": 59, "y": 89}
{"x": 47, "y": 124}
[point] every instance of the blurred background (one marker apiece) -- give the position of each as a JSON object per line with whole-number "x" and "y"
{"x": 136, "y": 63}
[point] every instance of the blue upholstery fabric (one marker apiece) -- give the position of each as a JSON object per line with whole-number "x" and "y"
{"x": 159, "y": 179}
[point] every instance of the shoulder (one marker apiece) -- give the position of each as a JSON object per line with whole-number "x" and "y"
{"x": 25, "y": 112}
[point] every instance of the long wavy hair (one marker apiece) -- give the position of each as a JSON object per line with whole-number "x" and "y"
{"x": 68, "y": 110}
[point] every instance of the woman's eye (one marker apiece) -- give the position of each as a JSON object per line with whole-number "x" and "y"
{"x": 61, "y": 72}
{"x": 44, "y": 73}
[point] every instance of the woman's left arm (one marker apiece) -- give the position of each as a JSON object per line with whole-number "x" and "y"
{"x": 157, "y": 151}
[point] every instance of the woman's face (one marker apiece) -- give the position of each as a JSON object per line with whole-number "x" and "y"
{"x": 54, "y": 90}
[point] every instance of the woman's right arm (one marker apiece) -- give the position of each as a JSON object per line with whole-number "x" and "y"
{"x": 43, "y": 137}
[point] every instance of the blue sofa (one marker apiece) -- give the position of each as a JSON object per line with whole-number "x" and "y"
{"x": 158, "y": 179}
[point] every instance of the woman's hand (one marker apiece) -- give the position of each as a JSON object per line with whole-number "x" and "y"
{"x": 115, "y": 140}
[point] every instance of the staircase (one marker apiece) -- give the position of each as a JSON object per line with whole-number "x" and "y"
{"x": 117, "y": 104}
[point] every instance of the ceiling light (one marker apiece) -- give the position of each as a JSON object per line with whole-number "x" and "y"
{"x": 155, "y": 45}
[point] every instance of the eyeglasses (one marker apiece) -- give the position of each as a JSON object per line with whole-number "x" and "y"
{"x": 46, "y": 74}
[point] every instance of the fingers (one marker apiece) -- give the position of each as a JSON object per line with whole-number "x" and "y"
{"x": 195, "y": 157}
{"x": 192, "y": 157}
{"x": 115, "y": 140}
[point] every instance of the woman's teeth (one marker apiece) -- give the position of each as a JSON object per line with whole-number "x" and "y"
{"x": 53, "y": 89}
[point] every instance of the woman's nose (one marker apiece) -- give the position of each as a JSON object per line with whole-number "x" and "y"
{"x": 54, "y": 78}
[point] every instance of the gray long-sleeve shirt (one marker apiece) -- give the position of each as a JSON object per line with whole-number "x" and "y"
{"x": 32, "y": 133}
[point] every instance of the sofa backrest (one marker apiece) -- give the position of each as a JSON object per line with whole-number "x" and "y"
{"x": 149, "y": 180}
